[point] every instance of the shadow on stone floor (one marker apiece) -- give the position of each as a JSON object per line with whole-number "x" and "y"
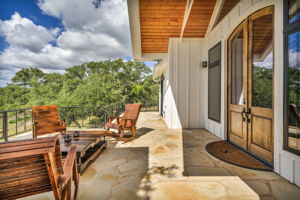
{"x": 146, "y": 186}
{"x": 116, "y": 174}
{"x": 196, "y": 160}
{"x": 139, "y": 132}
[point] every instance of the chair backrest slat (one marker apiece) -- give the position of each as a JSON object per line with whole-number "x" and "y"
{"x": 45, "y": 113}
{"x": 23, "y": 172}
{"x": 47, "y": 118}
{"x": 132, "y": 111}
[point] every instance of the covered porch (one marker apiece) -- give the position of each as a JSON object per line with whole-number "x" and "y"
{"x": 226, "y": 66}
{"x": 162, "y": 163}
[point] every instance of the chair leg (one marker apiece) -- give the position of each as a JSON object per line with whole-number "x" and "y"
{"x": 63, "y": 193}
{"x": 122, "y": 133}
{"x": 69, "y": 191}
{"x": 133, "y": 129}
{"x": 75, "y": 179}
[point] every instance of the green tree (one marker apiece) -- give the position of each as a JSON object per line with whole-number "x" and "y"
{"x": 262, "y": 87}
{"x": 90, "y": 84}
{"x": 28, "y": 76}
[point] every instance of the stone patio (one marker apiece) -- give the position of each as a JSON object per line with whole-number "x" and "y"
{"x": 172, "y": 164}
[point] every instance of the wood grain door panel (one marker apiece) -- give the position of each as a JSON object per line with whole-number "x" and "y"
{"x": 261, "y": 152}
{"x": 237, "y": 124}
{"x": 261, "y": 132}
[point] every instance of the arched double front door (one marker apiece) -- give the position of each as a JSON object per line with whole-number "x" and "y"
{"x": 250, "y": 84}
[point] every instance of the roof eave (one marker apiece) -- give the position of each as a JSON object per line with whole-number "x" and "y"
{"x": 135, "y": 30}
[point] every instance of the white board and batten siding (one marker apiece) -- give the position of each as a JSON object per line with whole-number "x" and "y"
{"x": 186, "y": 82}
{"x": 182, "y": 104}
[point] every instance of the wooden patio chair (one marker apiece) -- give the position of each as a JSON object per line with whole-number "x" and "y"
{"x": 46, "y": 120}
{"x": 35, "y": 166}
{"x": 125, "y": 122}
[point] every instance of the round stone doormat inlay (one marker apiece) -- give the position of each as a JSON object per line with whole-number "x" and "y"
{"x": 233, "y": 155}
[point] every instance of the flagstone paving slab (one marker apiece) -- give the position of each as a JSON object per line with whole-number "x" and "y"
{"x": 172, "y": 164}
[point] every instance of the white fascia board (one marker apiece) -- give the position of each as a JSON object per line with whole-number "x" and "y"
{"x": 188, "y": 8}
{"x": 215, "y": 15}
{"x": 135, "y": 28}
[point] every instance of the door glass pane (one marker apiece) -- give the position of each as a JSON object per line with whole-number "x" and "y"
{"x": 294, "y": 90}
{"x": 262, "y": 66}
{"x": 237, "y": 83}
{"x": 294, "y": 10}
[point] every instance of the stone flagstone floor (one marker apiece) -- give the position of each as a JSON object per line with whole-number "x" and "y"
{"x": 169, "y": 164}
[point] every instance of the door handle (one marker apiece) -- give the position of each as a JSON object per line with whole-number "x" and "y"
{"x": 248, "y": 114}
{"x": 243, "y": 113}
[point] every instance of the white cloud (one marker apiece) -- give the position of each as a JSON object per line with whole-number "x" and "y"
{"x": 23, "y": 33}
{"x": 294, "y": 58}
{"x": 89, "y": 34}
{"x": 267, "y": 62}
{"x": 108, "y": 23}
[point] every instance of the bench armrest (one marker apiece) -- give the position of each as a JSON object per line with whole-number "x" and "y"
{"x": 115, "y": 117}
{"x": 69, "y": 168}
{"x": 58, "y": 123}
{"x": 132, "y": 119}
{"x": 111, "y": 118}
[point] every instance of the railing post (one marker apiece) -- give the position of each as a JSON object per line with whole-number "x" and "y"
{"x": 16, "y": 121}
{"x": 4, "y": 128}
{"x": 25, "y": 120}
{"x": 104, "y": 117}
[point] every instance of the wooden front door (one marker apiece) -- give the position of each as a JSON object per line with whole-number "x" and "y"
{"x": 250, "y": 85}
{"x": 237, "y": 85}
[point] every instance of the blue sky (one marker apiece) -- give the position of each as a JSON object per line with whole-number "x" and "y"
{"x": 30, "y": 10}
{"x": 56, "y": 34}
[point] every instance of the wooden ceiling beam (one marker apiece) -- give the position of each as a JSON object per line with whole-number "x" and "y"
{"x": 189, "y": 5}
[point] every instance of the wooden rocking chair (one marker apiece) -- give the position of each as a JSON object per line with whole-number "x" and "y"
{"x": 35, "y": 166}
{"x": 127, "y": 121}
{"x": 46, "y": 120}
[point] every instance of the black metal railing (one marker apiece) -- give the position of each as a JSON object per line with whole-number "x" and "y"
{"x": 89, "y": 116}
{"x": 14, "y": 122}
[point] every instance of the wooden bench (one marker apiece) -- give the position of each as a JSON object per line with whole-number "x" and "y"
{"x": 34, "y": 166}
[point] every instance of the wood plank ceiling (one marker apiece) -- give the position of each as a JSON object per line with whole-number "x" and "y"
{"x": 162, "y": 19}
